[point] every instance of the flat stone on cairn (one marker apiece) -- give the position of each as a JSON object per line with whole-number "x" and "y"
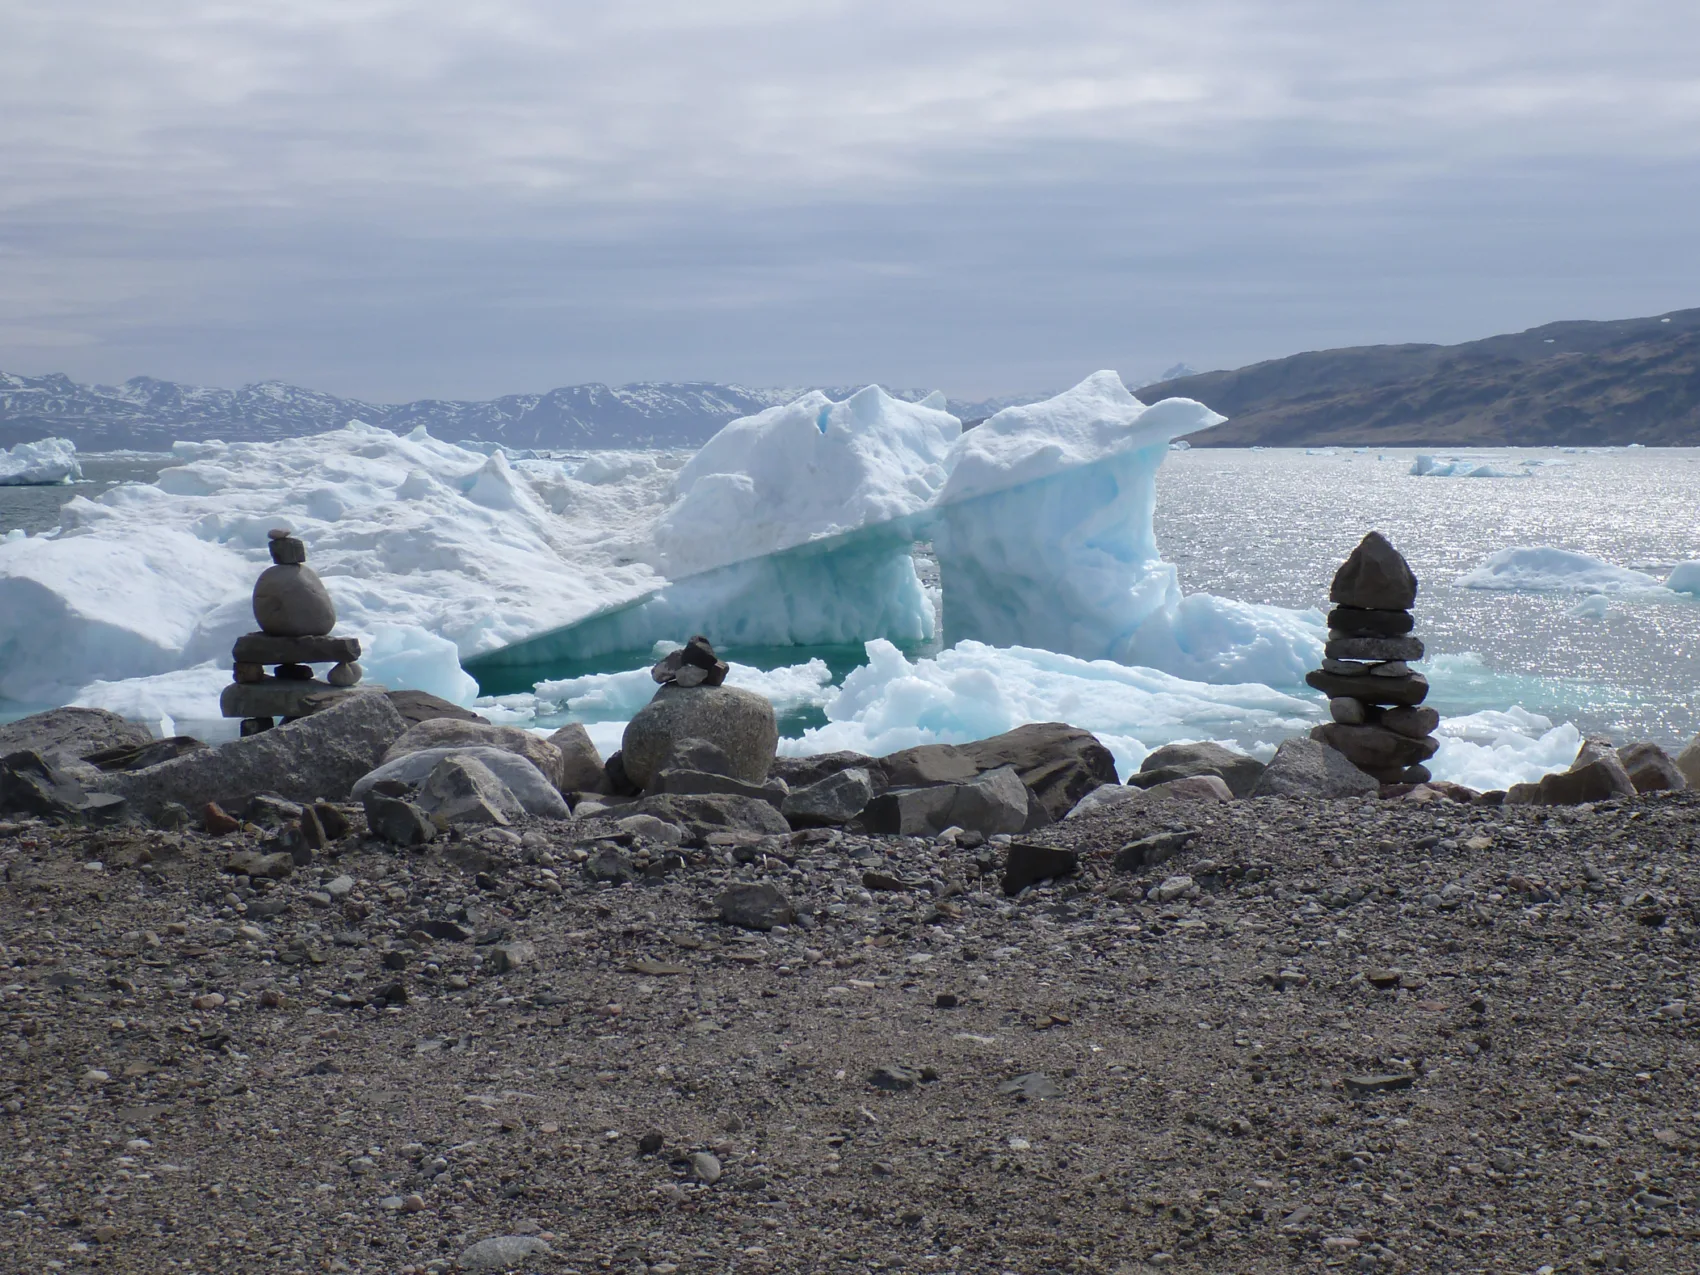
{"x": 1373, "y": 694}
{"x": 295, "y": 614}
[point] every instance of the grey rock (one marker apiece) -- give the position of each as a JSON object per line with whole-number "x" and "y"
{"x": 75, "y": 732}
{"x": 1409, "y": 690}
{"x": 1032, "y": 1086}
{"x": 340, "y": 887}
{"x": 282, "y": 697}
{"x": 612, "y": 867}
{"x": 581, "y": 764}
{"x": 1206, "y": 788}
{"x": 503, "y": 1253}
{"x": 895, "y": 1078}
{"x": 29, "y": 785}
{"x": 1027, "y": 864}
{"x": 1346, "y": 668}
{"x": 1374, "y": 747}
{"x": 1651, "y": 768}
{"x": 698, "y": 815}
{"x": 291, "y": 601}
{"x": 1375, "y": 577}
{"x": 651, "y": 829}
{"x": 1057, "y": 762}
{"x": 1418, "y": 723}
{"x": 705, "y": 1167}
{"x": 504, "y": 958}
{"x": 461, "y": 789}
{"x": 698, "y": 754}
{"x": 449, "y": 732}
{"x": 754, "y": 907}
{"x": 928, "y": 765}
{"x": 1374, "y": 649}
{"x": 141, "y": 756}
{"x": 1178, "y": 761}
{"x": 988, "y": 804}
{"x": 397, "y": 821}
{"x": 1348, "y": 712}
{"x": 252, "y": 863}
{"x": 1362, "y": 622}
{"x": 536, "y": 794}
{"x": 1598, "y": 780}
{"x": 1310, "y": 768}
{"x": 800, "y": 772}
{"x": 834, "y": 799}
{"x": 1148, "y": 852}
{"x": 267, "y": 648}
{"x": 345, "y": 675}
{"x": 1389, "y": 668}
{"x": 1688, "y": 762}
{"x": 422, "y": 706}
{"x": 321, "y": 756}
{"x": 740, "y": 723}
{"x": 688, "y": 782}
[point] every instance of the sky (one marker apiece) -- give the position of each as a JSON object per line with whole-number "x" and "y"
{"x": 396, "y": 200}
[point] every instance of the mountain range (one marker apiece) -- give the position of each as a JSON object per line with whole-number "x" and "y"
{"x": 1563, "y": 384}
{"x": 145, "y": 414}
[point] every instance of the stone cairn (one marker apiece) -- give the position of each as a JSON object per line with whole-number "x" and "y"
{"x": 693, "y": 664}
{"x": 295, "y": 614}
{"x": 1374, "y": 696}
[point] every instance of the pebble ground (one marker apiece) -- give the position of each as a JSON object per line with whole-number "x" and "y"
{"x": 1355, "y": 1035}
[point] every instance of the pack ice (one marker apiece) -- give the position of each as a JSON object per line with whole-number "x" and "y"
{"x": 791, "y": 527}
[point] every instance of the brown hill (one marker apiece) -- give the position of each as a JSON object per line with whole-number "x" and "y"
{"x": 1574, "y": 383}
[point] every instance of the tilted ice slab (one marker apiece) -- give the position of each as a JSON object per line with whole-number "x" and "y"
{"x": 1544, "y": 569}
{"x": 48, "y": 460}
{"x": 1462, "y": 467}
{"x": 1045, "y": 538}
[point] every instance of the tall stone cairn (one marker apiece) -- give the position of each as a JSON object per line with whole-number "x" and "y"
{"x": 1373, "y": 696}
{"x": 295, "y": 614}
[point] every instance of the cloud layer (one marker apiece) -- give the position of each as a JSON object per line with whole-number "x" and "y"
{"x": 396, "y": 199}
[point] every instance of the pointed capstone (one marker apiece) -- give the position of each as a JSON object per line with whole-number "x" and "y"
{"x": 1376, "y": 577}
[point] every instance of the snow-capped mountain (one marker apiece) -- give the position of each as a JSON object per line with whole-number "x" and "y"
{"x": 148, "y": 414}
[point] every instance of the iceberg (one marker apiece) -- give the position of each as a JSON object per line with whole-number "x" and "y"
{"x": 1495, "y": 749}
{"x": 1461, "y": 467}
{"x": 1045, "y": 538}
{"x": 1542, "y": 568}
{"x": 1684, "y": 578}
{"x": 44, "y": 462}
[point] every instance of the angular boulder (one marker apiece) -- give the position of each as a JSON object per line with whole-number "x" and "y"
{"x": 834, "y": 799}
{"x": 422, "y": 706}
{"x": 1180, "y": 761}
{"x": 1205, "y": 788}
{"x": 29, "y": 785}
{"x": 800, "y": 772}
{"x": 1057, "y": 762}
{"x": 73, "y": 732}
{"x": 1310, "y": 768}
{"x": 754, "y": 907}
{"x": 1688, "y": 762}
{"x": 535, "y": 792}
{"x": 397, "y": 820}
{"x": 1375, "y": 577}
{"x": 688, "y": 782}
{"x": 928, "y": 765}
{"x": 321, "y": 756}
{"x": 740, "y": 723}
{"x": 1027, "y": 865}
{"x": 994, "y": 802}
{"x": 699, "y": 815}
{"x": 1597, "y": 780}
{"x": 461, "y": 789}
{"x": 1651, "y": 768}
{"x": 446, "y": 732}
{"x": 582, "y": 767}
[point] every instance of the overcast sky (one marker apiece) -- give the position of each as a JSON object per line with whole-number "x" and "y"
{"x": 407, "y": 198}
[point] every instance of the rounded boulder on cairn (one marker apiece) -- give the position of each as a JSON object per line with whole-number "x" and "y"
{"x": 289, "y": 598}
{"x": 740, "y": 723}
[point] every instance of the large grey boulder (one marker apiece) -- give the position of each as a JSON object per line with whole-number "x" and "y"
{"x": 684, "y": 782}
{"x": 994, "y": 802}
{"x": 1181, "y": 761}
{"x": 462, "y": 790}
{"x": 698, "y": 815}
{"x": 31, "y": 786}
{"x": 1057, "y": 762}
{"x": 72, "y": 732}
{"x": 1651, "y": 768}
{"x": 445, "y": 732}
{"x": 317, "y": 757}
{"x": 800, "y": 772}
{"x": 837, "y": 798}
{"x": 1688, "y": 762}
{"x": 740, "y": 723}
{"x": 1375, "y": 577}
{"x": 581, "y": 764}
{"x": 536, "y": 794}
{"x": 1597, "y": 780}
{"x": 1309, "y": 768}
{"x": 1206, "y": 788}
{"x": 422, "y": 706}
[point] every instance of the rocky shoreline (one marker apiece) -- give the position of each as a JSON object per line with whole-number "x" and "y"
{"x": 1213, "y": 1019}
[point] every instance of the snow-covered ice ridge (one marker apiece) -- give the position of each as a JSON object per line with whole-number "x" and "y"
{"x": 790, "y": 527}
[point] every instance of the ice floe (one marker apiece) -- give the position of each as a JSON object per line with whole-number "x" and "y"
{"x": 46, "y": 461}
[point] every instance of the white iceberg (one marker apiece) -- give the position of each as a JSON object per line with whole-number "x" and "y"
{"x": 1684, "y": 578}
{"x": 1542, "y": 568}
{"x": 44, "y": 462}
{"x": 1461, "y": 467}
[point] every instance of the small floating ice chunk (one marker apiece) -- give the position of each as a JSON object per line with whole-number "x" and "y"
{"x": 1542, "y": 568}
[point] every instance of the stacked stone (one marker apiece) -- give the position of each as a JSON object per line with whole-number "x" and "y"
{"x": 295, "y": 614}
{"x": 1374, "y": 697}
{"x": 693, "y": 664}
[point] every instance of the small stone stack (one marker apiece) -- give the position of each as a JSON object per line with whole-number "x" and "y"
{"x": 1373, "y": 694}
{"x": 693, "y": 664}
{"x": 295, "y": 614}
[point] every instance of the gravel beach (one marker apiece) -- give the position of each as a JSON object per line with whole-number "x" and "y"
{"x": 1273, "y": 1035}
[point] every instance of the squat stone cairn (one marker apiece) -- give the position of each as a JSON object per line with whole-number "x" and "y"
{"x": 295, "y": 614}
{"x": 1373, "y": 694}
{"x": 693, "y": 664}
